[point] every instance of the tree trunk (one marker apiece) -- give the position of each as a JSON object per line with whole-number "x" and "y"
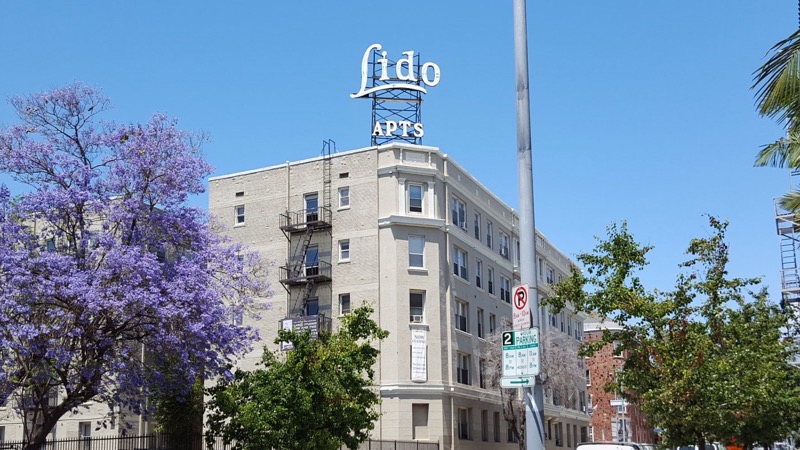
{"x": 701, "y": 441}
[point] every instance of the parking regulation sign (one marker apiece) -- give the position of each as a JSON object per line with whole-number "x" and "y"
{"x": 521, "y": 312}
{"x": 521, "y": 358}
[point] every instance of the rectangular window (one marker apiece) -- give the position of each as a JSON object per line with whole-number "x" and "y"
{"x": 312, "y": 207}
{"x": 479, "y": 273}
{"x": 2, "y": 434}
{"x": 415, "y": 198}
{"x": 480, "y": 323}
{"x": 419, "y": 419}
{"x": 416, "y": 306}
{"x": 458, "y": 210}
{"x": 482, "y": 373}
{"x": 344, "y": 250}
{"x": 84, "y": 430}
{"x": 463, "y": 423}
{"x": 239, "y": 215}
{"x": 490, "y": 280}
{"x": 551, "y": 275}
{"x": 540, "y": 268}
{"x": 477, "y": 226}
{"x": 344, "y": 197}
{"x": 344, "y": 304}
{"x": 505, "y": 289}
{"x": 312, "y": 261}
{"x": 496, "y": 423}
{"x": 237, "y": 315}
{"x": 492, "y": 323}
{"x": 503, "y": 243}
{"x": 489, "y": 233}
{"x": 510, "y": 436}
{"x": 416, "y": 251}
{"x": 462, "y": 368}
{"x": 485, "y": 425}
{"x": 312, "y": 307}
{"x": 460, "y": 263}
{"x": 462, "y": 316}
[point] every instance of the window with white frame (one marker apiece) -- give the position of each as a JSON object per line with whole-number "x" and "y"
{"x": 344, "y": 250}
{"x": 503, "y": 245}
{"x": 505, "y": 289}
{"x": 84, "y": 430}
{"x": 477, "y": 226}
{"x": 482, "y": 373}
{"x": 463, "y": 423}
{"x": 551, "y": 275}
{"x": 238, "y": 215}
{"x": 489, "y": 233}
{"x": 492, "y": 323}
{"x": 416, "y": 309}
{"x": 479, "y": 273}
{"x": 460, "y": 263}
{"x": 344, "y": 197}
{"x": 344, "y": 304}
{"x": 462, "y": 316}
{"x": 458, "y": 211}
{"x": 540, "y": 267}
{"x": 416, "y": 251}
{"x": 481, "y": 329}
{"x": 490, "y": 280}
{"x": 462, "y": 367}
{"x": 312, "y": 207}
{"x": 415, "y": 198}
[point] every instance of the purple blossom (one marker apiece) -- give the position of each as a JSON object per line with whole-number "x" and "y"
{"x": 102, "y": 256}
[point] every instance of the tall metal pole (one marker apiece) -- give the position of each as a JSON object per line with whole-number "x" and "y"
{"x": 534, "y": 397}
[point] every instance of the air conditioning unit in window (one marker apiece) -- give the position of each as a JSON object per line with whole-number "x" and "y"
{"x": 416, "y": 319}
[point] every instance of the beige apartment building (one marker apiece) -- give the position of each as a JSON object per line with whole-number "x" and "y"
{"x": 404, "y": 228}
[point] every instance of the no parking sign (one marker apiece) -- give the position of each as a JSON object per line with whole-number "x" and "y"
{"x": 522, "y": 308}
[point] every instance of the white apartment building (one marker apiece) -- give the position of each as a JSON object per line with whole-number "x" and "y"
{"x": 404, "y": 228}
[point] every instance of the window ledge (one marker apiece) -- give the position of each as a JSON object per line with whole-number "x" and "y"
{"x": 418, "y": 270}
{"x": 239, "y": 225}
{"x": 344, "y": 261}
{"x": 342, "y": 208}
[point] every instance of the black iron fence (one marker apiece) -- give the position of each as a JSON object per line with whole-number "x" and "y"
{"x": 172, "y": 442}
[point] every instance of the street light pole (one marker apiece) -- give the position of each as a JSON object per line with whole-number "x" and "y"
{"x": 534, "y": 397}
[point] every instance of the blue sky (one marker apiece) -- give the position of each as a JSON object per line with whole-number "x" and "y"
{"x": 641, "y": 110}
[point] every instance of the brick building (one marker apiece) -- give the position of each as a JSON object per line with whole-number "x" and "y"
{"x": 613, "y": 418}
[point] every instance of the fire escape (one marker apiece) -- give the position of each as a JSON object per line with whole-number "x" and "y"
{"x": 789, "y": 233}
{"x": 307, "y": 272}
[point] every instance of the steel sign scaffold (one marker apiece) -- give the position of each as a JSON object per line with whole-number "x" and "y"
{"x": 521, "y": 358}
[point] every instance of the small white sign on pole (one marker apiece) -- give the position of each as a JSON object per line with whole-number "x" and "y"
{"x": 521, "y": 312}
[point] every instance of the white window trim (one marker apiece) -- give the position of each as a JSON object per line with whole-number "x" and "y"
{"x": 421, "y": 267}
{"x": 421, "y": 198}
{"x": 236, "y": 215}
{"x": 349, "y": 302}
{"x": 342, "y": 189}
{"x": 342, "y": 258}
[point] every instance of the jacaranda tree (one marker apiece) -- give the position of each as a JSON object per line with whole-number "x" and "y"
{"x": 111, "y": 287}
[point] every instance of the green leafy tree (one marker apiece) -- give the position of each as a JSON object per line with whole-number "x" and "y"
{"x": 704, "y": 362}
{"x": 318, "y": 395}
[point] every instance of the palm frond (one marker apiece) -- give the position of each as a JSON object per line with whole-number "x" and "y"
{"x": 785, "y": 152}
{"x": 791, "y": 202}
{"x": 778, "y": 81}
